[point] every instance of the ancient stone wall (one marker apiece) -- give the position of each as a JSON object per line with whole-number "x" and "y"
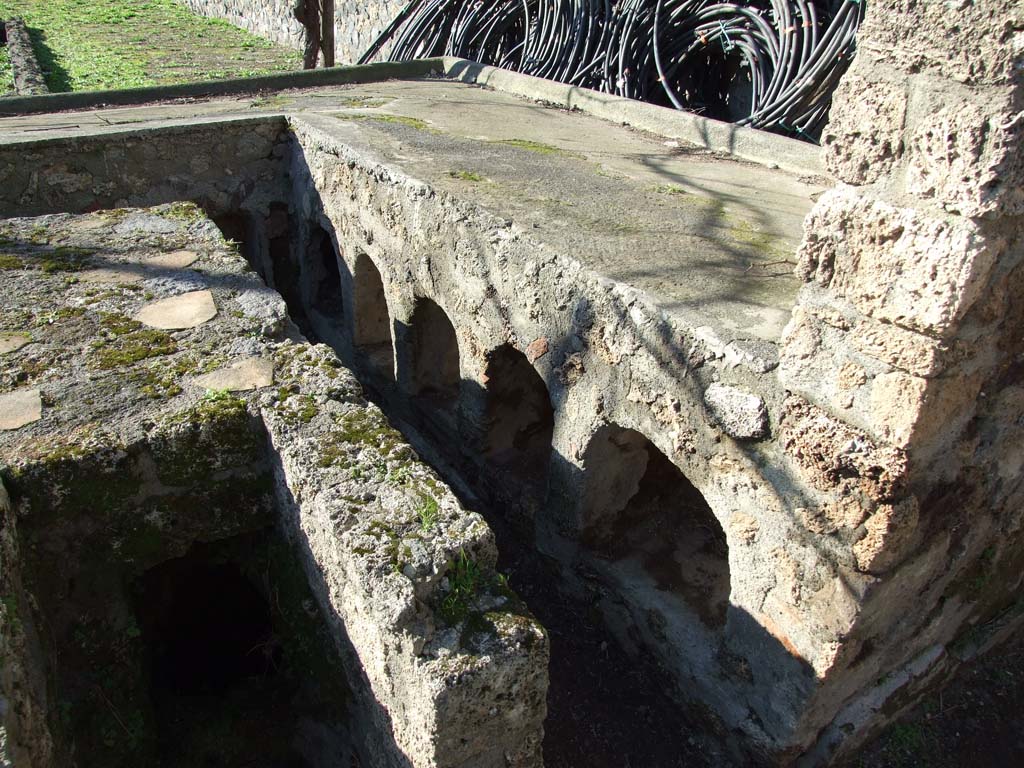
{"x": 357, "y": 22}
{"x": 271, "y": 19}
{"x": 616, "y": 371}
{"x": 142, "y": 444}
{"x": 907, "y": 336}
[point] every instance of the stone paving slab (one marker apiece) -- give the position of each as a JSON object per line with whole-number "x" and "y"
{"x": 240, "y": 376}
{"x": 179, "y": 312}
{"x": 12, "y": 342}
{"x": 20, "y": 408}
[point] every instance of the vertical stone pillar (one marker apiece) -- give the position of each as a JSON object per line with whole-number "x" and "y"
{"x": 909, "y": 328}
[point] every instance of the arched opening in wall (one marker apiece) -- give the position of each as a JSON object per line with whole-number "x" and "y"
{"x": 435, "y": 353}
{"x": 325, "y": 277}
{"x": 218, "y": 667}
{"x": 638, "y": 504}
{"x": 284, "y": 272}
{"x": 233, "y": 227}
{"x": 519, "y": 418}
{"x": 371, "y": 332}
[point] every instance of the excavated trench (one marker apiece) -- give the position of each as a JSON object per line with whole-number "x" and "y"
{"x": 609, "y": 702}
{"x": 200, "y": 646}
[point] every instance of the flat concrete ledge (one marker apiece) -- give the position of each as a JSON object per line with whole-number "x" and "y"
{"x": 312, "y": 78}
{"x": 737, "y": 140}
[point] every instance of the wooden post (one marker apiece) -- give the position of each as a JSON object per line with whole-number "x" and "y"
{"x": 327, "y": 32}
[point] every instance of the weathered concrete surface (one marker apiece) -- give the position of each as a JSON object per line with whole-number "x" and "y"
{"x": 713, "y": 234}
{"x": 145, "y": 465}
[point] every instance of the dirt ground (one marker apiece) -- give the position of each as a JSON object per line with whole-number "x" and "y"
{"x": 977, "y": 720}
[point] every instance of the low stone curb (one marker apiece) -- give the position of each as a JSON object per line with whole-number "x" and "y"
{"x": 310, "y": 78}
{"x": 28, "y": 75}
{"x": 737, "y": 140}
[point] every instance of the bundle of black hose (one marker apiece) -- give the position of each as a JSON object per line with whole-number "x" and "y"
{"x": 28, "y": 75}
{"x": 770, "y": 64}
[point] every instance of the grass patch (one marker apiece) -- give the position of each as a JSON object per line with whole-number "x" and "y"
{"x": 10, "y": 261}
{"x": 102, "y": 44}
{"x": 185, "y": 211}
{"x": 409, "y": 122}
{"x": 464, "y": 579}
{"x": 427, "y": 514}
{"x": 533, "y": 146}
{"x": 466, "y": 176}
{"x": 6, "y": 72}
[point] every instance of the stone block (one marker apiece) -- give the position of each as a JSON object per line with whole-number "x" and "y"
{"x": 896, "y": 265}
{"x": 890, "y": 531}
{"x": 895, "y": 346}
{"x": 864, "y": 136}
{"x": 977, "y": 42}
{"x": 742, "y": 415}
{"x": 835, "y": 457}
{"x": 967, "y": 157}
{"x": 912, "y": 412}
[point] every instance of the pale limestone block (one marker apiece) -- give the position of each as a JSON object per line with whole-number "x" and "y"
{"x": 967, "y": 156}
{"x": 178, "y": 312}
{"x": 19, "y": 408}
{"x": 111, "y": 275}
{"x": 894, "y": 264}
{"x": 896, "y": 402}
{"x": 172, "y": 260}
{"x": 978, "y": 42}
{"x": 911, "y": 352}
{"x": 240, "y": 376}
{"x": 864, "y": 136}
{"x": 12, "y": 342}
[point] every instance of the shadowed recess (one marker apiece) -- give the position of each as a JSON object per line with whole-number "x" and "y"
{"x": 435, "y": 351}
{"x": 371, "y": 321}
{"x": 638, "y": 504}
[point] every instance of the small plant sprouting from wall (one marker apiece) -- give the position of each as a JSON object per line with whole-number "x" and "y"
{"x": 464, "y": 579}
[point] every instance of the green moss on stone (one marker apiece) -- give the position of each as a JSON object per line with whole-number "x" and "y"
{"x": 65, "y": 259}
{"x": 185, "y": 211}
{"x": 538, "y": 147}
{"x": 359, "y": 102}
{"x": 408, "y": 122}
{"x": 10, "y": 261}
{"x": 128, "y": 341}
{"x": 466, "y": 176}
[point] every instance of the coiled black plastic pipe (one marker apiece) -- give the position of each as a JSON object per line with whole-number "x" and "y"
{"x": 770, "y": 64}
